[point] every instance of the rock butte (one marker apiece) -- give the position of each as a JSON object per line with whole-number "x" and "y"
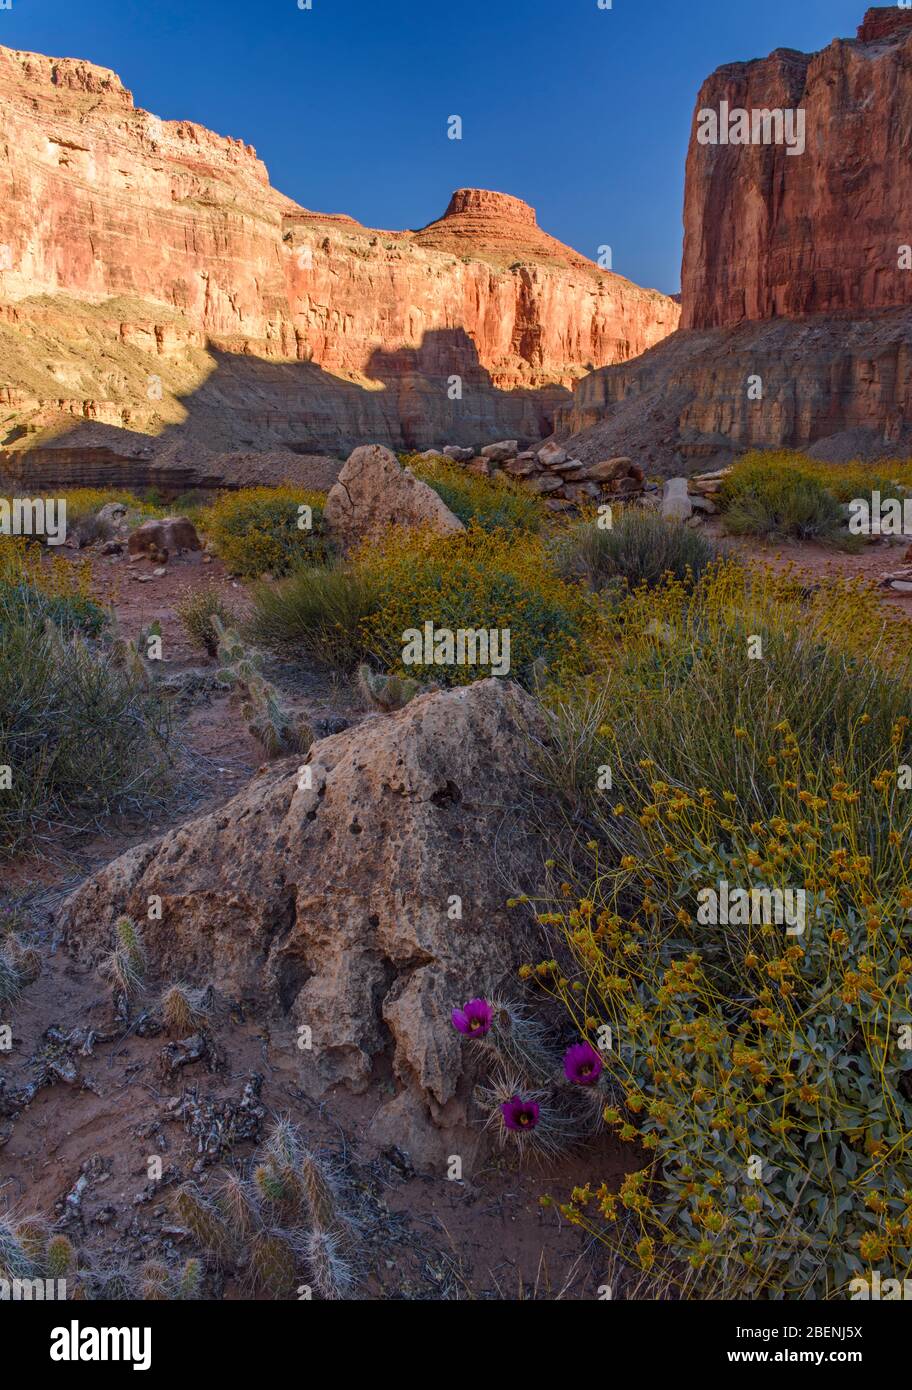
{"x": 790, "y": 272}
{"x": 151, "y": 277}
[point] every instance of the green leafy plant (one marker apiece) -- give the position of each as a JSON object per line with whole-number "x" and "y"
{"x": 639, "y": 548}
{"x": 265, "y": 530}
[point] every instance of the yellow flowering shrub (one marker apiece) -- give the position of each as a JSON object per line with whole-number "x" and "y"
{"x": 267, "y": 530}
{"x": 761, "y": 1069}
{"x": 477, "y": 580}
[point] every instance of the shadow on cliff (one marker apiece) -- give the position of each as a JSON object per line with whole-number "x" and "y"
{"x": 411, "y": 398}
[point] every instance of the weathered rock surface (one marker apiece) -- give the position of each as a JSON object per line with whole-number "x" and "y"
{"x": 151, "y": 278}
{"x": 840, "y": 387}
{"x": 771, "y": 234}
{"x": 791, "y": 276}
{"x": 374, "y": 492}
{"x": 333, "y": 903}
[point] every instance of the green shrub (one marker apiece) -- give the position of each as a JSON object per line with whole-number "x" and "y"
{"x": 737, "y": 1042}
{"x": 258, "y": 530}
{"x": 82, "y": 738}
{"x": 639, "y": 548}
{"x": 777, "y": 501}
{"x": 47, "y": 587}
{"x": 477, "y": 580}
{"x": 318, "y": 612}
{"x": 490, "y": 502}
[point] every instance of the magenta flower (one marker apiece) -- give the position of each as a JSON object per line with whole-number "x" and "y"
{"x": 582, "y": 1064}
{"x": 474, "y": 1018}
{"x": 520, "y": 1114}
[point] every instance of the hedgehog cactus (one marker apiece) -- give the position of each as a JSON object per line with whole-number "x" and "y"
{"x": 277, "y": 729}
{"x": 205, "y": 1223}
{"x": 272, "y": 1264}
{"x": 191, "y": 1279}
{"x": 386, "y": 693}
{"x": 61, "y": 1257}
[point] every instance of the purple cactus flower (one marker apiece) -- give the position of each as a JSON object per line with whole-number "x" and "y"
{"x": 474, "y": 1018}
{"x": 519, "y": 1114}
{"x": 582, "y": 1064}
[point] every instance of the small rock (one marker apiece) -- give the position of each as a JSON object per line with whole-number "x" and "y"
{"x": 676, "y": 504}
{"x": 545, "y": 484}
{"x": 458, "y": 454}
{"x": 500, "y": 453}
{"x": 608, "y": 470}
{"x": 551, "y": 454}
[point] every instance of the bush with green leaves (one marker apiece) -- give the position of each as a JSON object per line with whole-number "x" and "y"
{"x": 640, "y": 547}
{"x": 778, "y": 501}
{"x": 82, "y": 738}
{"x": 196, "y": 609}
{"x": 758, "y": 1075}
{"x": 267, "y": 530}
{"x": 491, "y": 502}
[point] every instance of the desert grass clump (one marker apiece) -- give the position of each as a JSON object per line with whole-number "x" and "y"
{"x": 385, "y": 693}
{"x": 770, "y": 500}
{"x": 318, "y": 612}
{"x": 85, "y": 738}
{"x": 267, "y": 530}
{"x": 681, "y": 690}
{"x": 640, "y": 547}
{"x": 196, "y": 610}
{"x": 276, "y": 728}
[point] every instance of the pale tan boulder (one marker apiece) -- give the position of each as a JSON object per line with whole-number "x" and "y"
{"x": 374, "y": 492}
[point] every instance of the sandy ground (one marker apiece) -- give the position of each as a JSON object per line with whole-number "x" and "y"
{"x": 101, "y": 1110}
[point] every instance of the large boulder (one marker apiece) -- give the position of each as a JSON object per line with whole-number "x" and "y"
{"x": 374, "y": 492}
{"x": 363, "y": 906}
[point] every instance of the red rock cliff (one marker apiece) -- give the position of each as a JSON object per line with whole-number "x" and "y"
{"x": 172, "y": 239}
{"x": 768, "y": 233}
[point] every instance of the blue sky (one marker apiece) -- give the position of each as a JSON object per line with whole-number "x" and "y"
{"x": 583, "y": 112}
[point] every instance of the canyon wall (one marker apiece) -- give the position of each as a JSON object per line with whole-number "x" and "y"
{"x": 152, "y": 280}
{"x": 771, "y": 233}
{"x": 797, "y": 273}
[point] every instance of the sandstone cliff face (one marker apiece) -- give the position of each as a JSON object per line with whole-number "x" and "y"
{"x": 771, "y": 233}
{"x": 167, "y": 245}
{"x": 791, "y": 274}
